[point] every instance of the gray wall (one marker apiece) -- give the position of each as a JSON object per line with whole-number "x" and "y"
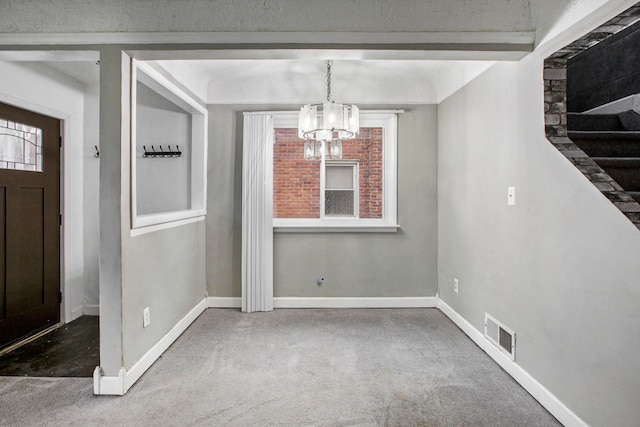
{"x": 163, "y": 183}
{"x": 560, "y": 267}
{"x": 163, "y": 270}
{"x": 401, "y": 264}
{"x": 91, "y": 193}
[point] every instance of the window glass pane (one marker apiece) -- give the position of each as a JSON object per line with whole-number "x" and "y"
{"x": 339, "y": 177}
{"x": 338, "y": 202}
{"x": 296, "y": 181}
{"x": 20, "y": 146}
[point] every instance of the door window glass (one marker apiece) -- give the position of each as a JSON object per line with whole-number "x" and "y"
{"x": 20, "y": 146}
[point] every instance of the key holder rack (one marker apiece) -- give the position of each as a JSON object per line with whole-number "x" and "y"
{"x": 161, "y": 152}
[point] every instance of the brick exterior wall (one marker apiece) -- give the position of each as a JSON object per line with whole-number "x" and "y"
{"x": 296, "y": 182}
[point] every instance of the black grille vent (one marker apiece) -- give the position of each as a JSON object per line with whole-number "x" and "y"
{"x": 506, "y": 340}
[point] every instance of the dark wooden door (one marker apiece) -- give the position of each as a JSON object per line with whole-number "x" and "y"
{"x": 29, "y": 223}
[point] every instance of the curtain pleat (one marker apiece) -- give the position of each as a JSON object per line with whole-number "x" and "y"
{"x": 257, "y": 213}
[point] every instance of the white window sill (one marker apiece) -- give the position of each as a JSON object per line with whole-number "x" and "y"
{"x": 332, "y": 226}
{"x": 143, "y": 224}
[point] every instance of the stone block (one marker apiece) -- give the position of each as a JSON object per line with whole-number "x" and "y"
{"x": 557, "y": 107}
{"x": 628, "y": 206}
{"x": 554, "y": 96}
{"x": 604, "y": 186}
{"x": 552, "y": 119}
{"x": 555, "y": 74}
{"x": 575, "y": 154}
{"x": 589, "y": 169}
{"x": 600, "y": 177}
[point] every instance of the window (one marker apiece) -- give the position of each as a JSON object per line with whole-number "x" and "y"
{"x": 20, "y": 146}
{"x": 341, "y": 190}
{"x": 356, "y": 193}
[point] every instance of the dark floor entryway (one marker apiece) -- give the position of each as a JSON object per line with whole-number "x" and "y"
{"x": 72, "y": 350}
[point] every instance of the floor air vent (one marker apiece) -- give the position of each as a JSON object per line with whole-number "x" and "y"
{"x": 500, "y": 336}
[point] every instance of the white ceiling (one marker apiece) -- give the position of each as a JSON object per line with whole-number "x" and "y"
{"x": 83, "y": 72}
{"x": 273, "y": 81}
{"x": 294, "y": 81}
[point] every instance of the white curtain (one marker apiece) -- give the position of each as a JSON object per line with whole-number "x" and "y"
{"x": 257, "y": 213}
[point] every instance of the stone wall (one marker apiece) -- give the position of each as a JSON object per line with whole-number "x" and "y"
{"x": 555, "y": 109}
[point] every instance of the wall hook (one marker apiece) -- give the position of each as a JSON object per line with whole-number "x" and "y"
{"x": 161, "y": 152}
{"x": 97, "y": 153}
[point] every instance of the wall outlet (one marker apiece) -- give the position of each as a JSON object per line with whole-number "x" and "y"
{"x": 511, "y": 196}
{"x": 455, "y": 285}
{"x": 146, "y": 317}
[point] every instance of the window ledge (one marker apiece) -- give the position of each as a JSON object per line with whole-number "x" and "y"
{"x": 330, "y": 226}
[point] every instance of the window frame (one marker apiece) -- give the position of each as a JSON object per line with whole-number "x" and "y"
{"x": 388, "y": 121}
{"x": 354, "y": 165}
{"x": 165, "y": 87}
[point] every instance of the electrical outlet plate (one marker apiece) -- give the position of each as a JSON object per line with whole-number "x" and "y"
{"x": 455, "y": 285}
{"x": 146, "y": 317}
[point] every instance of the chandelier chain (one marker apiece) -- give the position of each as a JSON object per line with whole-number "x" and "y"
{"x": 329, "y": 80}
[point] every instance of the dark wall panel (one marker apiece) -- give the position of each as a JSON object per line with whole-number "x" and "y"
{"x": 608, "y": 71}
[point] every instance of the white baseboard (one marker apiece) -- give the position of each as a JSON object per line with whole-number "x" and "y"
{"x": 222, "y": 302}
{"x": 316, "y": 302}
{"x": 74, "y": 314}
{"x": 391, "y": 302}
{"x": 537, "y": 390}
{"x": 118, "y": 385}
{"x": 91, "y": 310}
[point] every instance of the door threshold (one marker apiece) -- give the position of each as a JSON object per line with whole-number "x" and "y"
{"x": 30, "y": 338}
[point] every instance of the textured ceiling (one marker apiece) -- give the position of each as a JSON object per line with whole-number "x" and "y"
{"x": 292, "y": 81}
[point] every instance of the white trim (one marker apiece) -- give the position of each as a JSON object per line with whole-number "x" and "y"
{"x": 631, "y": 102}
{"x": 50, "y": 55}
{"x": 71, "y": 193}
{"x": 74, "y": 314}
{"x": 339, "y": 226}
{"x": 388, "y": 121}
{"x": 537, "y": 390}
{"x": 156, "y": 81}
{"x": 92, "y": 310}
{"x": 355, "y": 186}
{"x": 165, "y": 225}
{"x": 336, "y": 302}
{"x": 512, "y": 354}
{"x": 354, "y": 302}
{"x": 358, "y": 53}
{"x": 515, "y": 40}
{"x": 109, "y": 385}
{"x": 224, "y": 302}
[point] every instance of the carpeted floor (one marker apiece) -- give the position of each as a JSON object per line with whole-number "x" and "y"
{"x": 407, "y": 367}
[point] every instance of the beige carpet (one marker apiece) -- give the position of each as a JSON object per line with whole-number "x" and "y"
{"x": 405, "y": 367}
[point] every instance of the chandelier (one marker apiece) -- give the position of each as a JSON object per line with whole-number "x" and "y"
{"x": 325, "y": 125}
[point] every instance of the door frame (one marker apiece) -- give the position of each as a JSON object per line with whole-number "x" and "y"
{"x": 26, "y": 105}
{"x": 72, "y": 157}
